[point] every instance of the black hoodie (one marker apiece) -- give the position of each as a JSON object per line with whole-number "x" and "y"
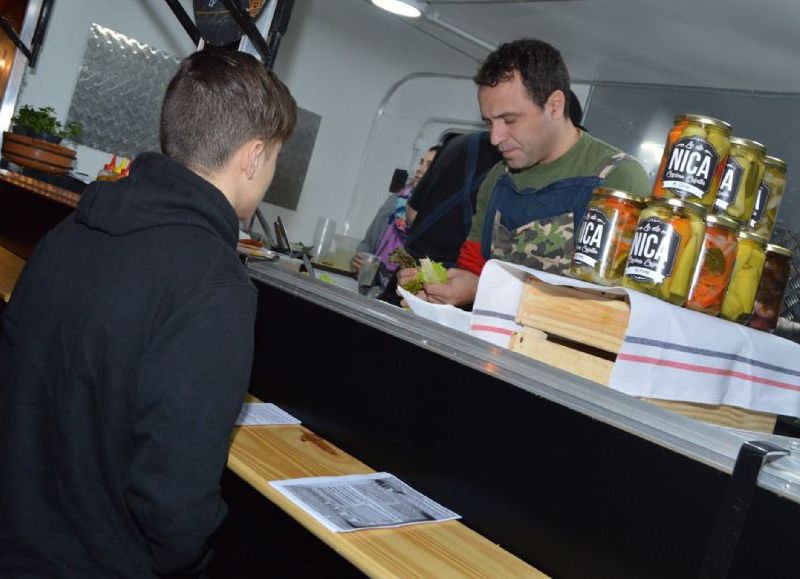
{"x": 124, "y": 357}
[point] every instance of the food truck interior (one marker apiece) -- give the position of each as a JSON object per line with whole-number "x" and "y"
{"x": 573, "y": 478}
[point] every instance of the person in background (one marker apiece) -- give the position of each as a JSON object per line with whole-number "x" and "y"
{"x": 126, "y": 349}
{"x": 389, "y": 227}
{"x": 529, "y": 205}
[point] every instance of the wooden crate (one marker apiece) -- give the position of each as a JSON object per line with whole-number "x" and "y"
{"x": 581, "y": 331}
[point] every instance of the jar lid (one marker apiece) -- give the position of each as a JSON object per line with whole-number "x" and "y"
{"x": 779, "y": 249}
{"x": 750, "y": 236}
{"x": 690, "y": 206}
{"x": 618, "y": 194}
{"x": 722, "y": 221}
{"x": 749, "y": 144}
{"x": 774, "y": 161}
{"x": 704, "y": 120}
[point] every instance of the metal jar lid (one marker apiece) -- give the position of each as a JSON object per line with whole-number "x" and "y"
{"x": 704, "y": 120}
{"x": 690, "y": 206}
{"x": 750, "y": 236}
{"x": 775, "y": 162}
{"x": 618, "y": 194}
{"x": 749, "y": 144}
{"x": 722, "y": 221}
{"x": 779, "y": 249}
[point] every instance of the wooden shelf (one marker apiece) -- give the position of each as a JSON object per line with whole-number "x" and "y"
{"x": 259, "y": 454}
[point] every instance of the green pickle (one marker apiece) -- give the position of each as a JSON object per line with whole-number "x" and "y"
{"x": 665, "y": 249}
{"x": 694, "y": 160}
{"x": 737, "y": 306}
{"x": 741, "y": 178}
{"x": 768, "y": 198}
{"x": 604, "y": 236}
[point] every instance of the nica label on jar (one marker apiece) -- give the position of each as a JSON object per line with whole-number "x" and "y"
{"x": 690, "y": 168}
{"x": 729, "y": 184}
{"x": 593, "y": 236}
{"x": 761, "y": 202}
{"x": 652, "y": 257}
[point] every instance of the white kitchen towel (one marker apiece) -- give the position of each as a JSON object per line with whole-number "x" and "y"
{"x": 669, "y": 352}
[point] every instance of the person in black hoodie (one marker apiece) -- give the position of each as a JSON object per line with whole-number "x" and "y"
{"x": 126, "y": 348}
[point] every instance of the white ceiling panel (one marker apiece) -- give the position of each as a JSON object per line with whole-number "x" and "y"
{"x": 735, "y": 44}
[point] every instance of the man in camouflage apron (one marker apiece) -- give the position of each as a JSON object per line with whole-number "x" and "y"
{"x": 530, "y": 204}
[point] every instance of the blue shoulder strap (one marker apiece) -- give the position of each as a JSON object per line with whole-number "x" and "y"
{"x": 463, "y": 194}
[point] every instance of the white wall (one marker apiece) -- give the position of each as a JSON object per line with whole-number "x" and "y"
{"x": 339, "y": 58}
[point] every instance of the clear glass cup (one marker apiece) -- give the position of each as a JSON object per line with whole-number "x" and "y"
{"x": 369, "y": 269}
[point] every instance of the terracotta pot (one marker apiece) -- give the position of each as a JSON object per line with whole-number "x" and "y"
{"x": 37, "y": 154}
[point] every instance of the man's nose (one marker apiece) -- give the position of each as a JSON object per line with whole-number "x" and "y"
{"x": 497, "y": 134}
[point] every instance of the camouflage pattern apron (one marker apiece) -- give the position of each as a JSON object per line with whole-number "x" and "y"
{"x": 535, "y": 227}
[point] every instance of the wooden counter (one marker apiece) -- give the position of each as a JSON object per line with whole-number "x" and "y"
{"x": 450, "y": 549}
{"x": 10, "y": 268}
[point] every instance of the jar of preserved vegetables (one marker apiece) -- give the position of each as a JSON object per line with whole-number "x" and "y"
{"x": 769, "y": 196}
{"x": 694, "y": 159}
{"x": 665, "y": 248}
{"x": 605, "y": 235}
{"x": 741, "y": 294}
{"x": 738, "y": 187}
{"x": 771, "y": 288}
{"x": 714, "y": 266}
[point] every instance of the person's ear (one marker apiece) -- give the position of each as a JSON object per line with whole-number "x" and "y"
{"x": 253, "y": 156}
{"x": 555, "y": 105}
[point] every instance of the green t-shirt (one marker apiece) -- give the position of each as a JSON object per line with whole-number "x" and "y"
{"x": 584, "y": 159}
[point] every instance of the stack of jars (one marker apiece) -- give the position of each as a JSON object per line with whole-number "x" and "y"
{"x": 700, "y": 240}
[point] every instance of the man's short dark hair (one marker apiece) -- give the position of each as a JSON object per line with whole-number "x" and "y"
{"x": 540, "y": 66}
{"x": 218, "y": 100}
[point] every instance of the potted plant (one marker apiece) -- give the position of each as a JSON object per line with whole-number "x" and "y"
{"x": 41, "y": 123}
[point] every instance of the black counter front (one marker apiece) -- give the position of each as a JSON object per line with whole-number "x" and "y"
{"x": 576, "y": 479}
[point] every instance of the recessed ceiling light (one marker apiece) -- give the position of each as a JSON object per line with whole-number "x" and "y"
{"x": 408, "y": 8}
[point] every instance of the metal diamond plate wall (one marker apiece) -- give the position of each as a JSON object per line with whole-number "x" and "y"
{"x": 118, "y": 96}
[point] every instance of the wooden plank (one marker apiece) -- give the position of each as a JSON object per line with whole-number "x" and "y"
{"x": 587, "y": 317}
{"x": 450, "y": 549}
{"x": 11, "y": 266}
{"x": 722, "y": 415}
{"x": 529, "y": 343}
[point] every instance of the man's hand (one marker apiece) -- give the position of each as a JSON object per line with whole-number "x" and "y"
{"x": 405, "y": 275}
{"x": 460, "y": 289}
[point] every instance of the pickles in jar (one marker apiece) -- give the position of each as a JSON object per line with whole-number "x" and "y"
{"x": 694, "y": 159}
{"x": 768, "y": 199}
{"x": 741, "y": 178}
{"x": 605, "y": 235}
{"x": 747, "y": 269}
{"x": 714, "y": 265}
{"x": 665, "y": 248}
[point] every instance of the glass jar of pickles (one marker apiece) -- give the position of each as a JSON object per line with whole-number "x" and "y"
{"x": 741, "y": 178}
{"x": 665, "y": 248}
{"x": 769, "y": 196}
{"x": 605, "y": 235}
{"x": 694, "y": 159}
{"x": 741, "y": 294}
{"x": 714, "y": 265}
{"x": 771, "y": 288}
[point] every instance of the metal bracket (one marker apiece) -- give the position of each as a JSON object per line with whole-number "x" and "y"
{"x": 753, "y": 455}
{"x": 32, "y": 53}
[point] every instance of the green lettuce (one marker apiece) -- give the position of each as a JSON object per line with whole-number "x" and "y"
{"x": 429, "y": 271}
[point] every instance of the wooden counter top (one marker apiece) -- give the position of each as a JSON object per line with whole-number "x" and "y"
{"x": 10, "y": 268}
{"x": 450, "y": 549}
{"x": 63, "y": 196}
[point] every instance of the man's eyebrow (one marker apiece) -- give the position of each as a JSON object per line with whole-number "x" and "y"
{"x": 500, "y": 116}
